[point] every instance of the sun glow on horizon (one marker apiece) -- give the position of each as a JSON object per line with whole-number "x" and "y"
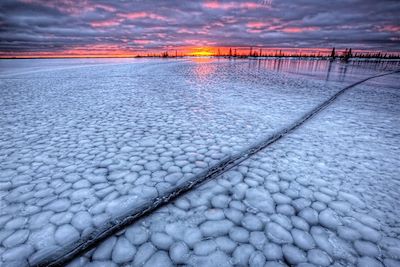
{"x": 201, "y": 51}
{"x": 113, "y": 51}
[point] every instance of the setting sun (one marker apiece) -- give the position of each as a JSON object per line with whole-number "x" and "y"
{"x": 202, "y": 51}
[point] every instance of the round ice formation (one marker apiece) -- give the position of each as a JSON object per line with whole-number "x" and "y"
{"x": 143, "y": 254}
{"x": 278, "y": 234}
{"x": 123, "y": 251}
{"x": 66, "y": 234}
{"x": 161, "y": 240}
{"x": 216, "y": 228}
{"x": 252, "y": 222}
{"x": 272, "y": 251}
{"x": 137, "y": 235}
{"x": 318, "y": 257}
{"x": 179, "y": 253}
{"x": 239, "y": 234}
{"x": 159, "y": 259}
{"x": 260, "y": 199}
{"x": 329, "y": 219}
{"x": 293, "y": 254}
{"x": 303, "y": 239}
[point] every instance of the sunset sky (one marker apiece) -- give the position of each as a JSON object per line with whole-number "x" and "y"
{"x": 100, "y": 27}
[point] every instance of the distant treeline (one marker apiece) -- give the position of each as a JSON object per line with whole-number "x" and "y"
{"x": 344, "y": 55}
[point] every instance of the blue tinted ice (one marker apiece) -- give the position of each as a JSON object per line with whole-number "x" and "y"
{"x": 84, "y": 143}
{"x": 327, "y": 194}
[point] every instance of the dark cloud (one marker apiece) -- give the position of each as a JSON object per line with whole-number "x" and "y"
{"x": 131, "y": 26}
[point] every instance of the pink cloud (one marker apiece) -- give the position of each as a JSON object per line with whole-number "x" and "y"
{"x": 127, "y": 16}
{"x": 256, "y": 25}
{"x": 390, "y": 28}
{"x": 298, "y": 29}
{"x": 232, "y": 5}
{"x": 71, "y": 6}
{"x": 105, "y": 7}
{"x": 105, "y": 23}
{"x": 218, "y": 24}
{"x": 142, "y": 41}
{"x": 185, "y": 30}
{"x": 161, "y": 35}
{"x": 196, "y": 42}
{"x": 142, "y": 15}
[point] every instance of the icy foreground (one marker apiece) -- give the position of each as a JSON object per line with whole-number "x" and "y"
{"x": 85, "y": 145}
{"x": 328, "y": 194}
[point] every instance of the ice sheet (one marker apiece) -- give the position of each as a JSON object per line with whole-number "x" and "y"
{"x": 327, "y": 194}
{"x": 84, "y": 144}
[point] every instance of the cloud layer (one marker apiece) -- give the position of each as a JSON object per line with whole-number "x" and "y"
{"x": 100, "y": 26}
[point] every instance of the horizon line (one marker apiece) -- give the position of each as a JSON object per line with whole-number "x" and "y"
{"x": 391, "y": 56}
{"x": 201, "y": 51}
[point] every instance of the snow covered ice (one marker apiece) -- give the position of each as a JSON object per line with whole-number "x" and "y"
{"x": 88, "y": 144}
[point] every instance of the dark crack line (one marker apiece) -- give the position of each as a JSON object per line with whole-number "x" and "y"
{"x": 216, "y": 170}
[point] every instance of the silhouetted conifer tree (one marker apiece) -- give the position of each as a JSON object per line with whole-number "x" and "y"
{"x": 333, "y": 53}
{"x": 347, "y": 54}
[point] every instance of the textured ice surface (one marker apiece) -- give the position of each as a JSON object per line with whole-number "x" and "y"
{"x": 336, "y": 177}
{"x": 84, "y": 143}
